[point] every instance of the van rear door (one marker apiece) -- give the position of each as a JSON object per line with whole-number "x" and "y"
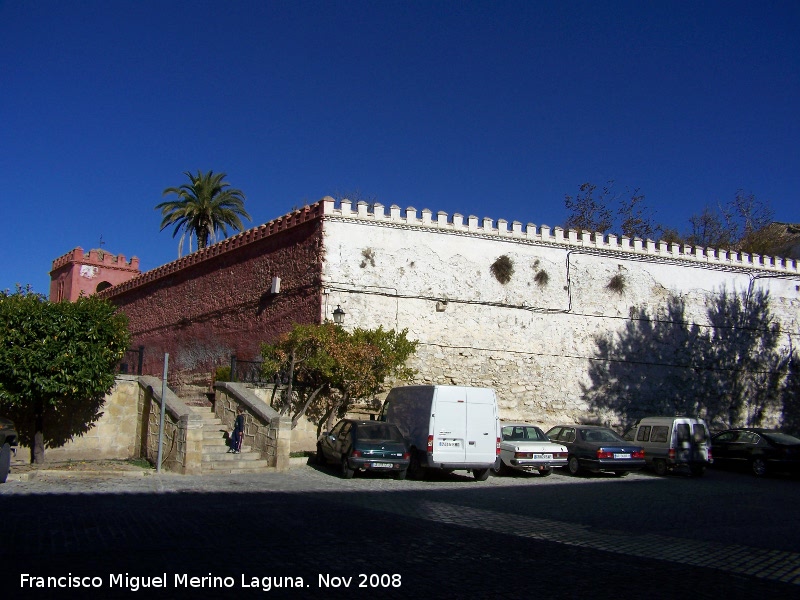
{"x": 449, "y": 425}
{"x": 481, "y": 427}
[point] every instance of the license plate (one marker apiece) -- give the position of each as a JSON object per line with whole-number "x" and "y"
{"x": 543, "y": 457}
{"x": 382, "y": 465}
{"x": 622, "y": 455}
{"x": 450, "y": 443}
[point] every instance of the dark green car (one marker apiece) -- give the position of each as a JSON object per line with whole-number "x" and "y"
{"x": 372, "y": 446}
{"x": 8, "y": 441}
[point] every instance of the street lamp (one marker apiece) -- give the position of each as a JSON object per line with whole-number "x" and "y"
{"x": 338, "y": 315}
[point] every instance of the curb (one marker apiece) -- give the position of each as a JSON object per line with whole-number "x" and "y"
{"x": 32, "y": 475}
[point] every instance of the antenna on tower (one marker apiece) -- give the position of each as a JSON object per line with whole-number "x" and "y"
{"x": 102, "y": 243}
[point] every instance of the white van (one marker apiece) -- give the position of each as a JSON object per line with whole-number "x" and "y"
{"x": 446, "y": 427}
{"x": 673, "y": 443}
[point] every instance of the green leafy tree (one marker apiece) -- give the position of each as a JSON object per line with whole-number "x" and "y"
{"x": 304, "y": 356}
{"x": 204, "y": 207}
{"x": 329, "y": 368}
{"x": 57, "y": 363}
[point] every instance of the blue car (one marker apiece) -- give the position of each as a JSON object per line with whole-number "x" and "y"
{"x": 597, "y": 449}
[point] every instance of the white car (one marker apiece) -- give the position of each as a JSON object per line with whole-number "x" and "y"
{"x": 525, "y": 447}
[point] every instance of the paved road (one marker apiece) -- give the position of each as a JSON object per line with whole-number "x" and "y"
{"x": 725, "y": 535}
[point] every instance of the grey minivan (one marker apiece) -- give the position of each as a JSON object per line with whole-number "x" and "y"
{"x": 673, "y": 443}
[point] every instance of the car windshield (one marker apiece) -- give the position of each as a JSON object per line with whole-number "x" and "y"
{"x": 600, "y": 435}
{"x": 524, "y": 433}
{"x": 781, "y": 438}
{"x": 379, "y": 432}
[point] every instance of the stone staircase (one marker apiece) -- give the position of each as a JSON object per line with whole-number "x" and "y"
{"x": 216, "y": 458}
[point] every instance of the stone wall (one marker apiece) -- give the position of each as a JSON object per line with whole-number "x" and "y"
{"x": 114, "y": 435}
{"x": 182, "y": 449}
{"x": 535, "y": 337}
{"x": 218, "y": 301}
{"x": 302, "y": 438}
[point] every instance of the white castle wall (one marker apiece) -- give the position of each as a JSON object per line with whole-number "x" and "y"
{"x": 532, "y": 342}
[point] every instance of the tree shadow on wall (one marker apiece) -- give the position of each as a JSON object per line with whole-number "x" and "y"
{"x": 729, "y": 371}
{"x": 60, "y": 424}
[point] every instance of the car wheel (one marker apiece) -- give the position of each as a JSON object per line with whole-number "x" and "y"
{"x": 480, "y": 474}
{"x": 401, "y": 475}
{"x": 660, "y": 467}
{"x": 621, "y": 473}
{"x": 501, "y": 469}
{"x": 546, "y": 472}
{"x": 5, "y": 462}
{"x": 414, "y": 467}
{"x": 697, "y": 470}
{"x": 320, "y": 456}
{"x": 758, "y": 467}
{"x": 573, "y": 465}
{"x": 347, "y": 472}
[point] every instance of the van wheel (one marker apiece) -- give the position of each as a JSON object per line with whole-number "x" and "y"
{"x": 5, "y": 462}
{"x": 660, "y": 467}
{"x": 573, "y": 466}
{"x": 480, "y": 474}
{"x": 414, "y": 468}
{"x": 546, "y": 472}
{"x": 347, "y": 472}
{"x": 758, "y": 467}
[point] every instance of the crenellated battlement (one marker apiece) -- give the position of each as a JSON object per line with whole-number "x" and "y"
{"x": 97, "y": 258}
{"x": 455, "y": 223}
{"x": 544, "y": 234}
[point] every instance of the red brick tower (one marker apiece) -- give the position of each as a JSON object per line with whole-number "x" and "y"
{"x": 75, "y": 273}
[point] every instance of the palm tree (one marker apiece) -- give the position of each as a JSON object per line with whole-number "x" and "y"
{"x": 204, "y": 207}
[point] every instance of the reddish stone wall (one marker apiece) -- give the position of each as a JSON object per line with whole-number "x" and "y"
{"x": 217, "y": 301}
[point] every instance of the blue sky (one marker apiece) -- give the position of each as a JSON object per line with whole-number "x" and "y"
{"x": 496, "y": 109}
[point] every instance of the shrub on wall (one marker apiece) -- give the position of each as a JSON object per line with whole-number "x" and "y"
{"x": 617, "y": 283}
{"x": 541, "y": 278}
{"x": 369, "y": 257}
{"x": 223, "y": 373}
{"x": 503, "y": 269}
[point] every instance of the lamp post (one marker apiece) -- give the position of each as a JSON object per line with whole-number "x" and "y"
{"x": 338, "y": 315}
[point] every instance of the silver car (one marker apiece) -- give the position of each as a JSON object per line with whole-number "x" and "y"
{"x": 525, "y": 447}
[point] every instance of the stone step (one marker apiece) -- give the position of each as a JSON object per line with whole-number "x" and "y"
{"x": 252, "y": 466}
{"x": 226, "y": 457}
{"x": 210, "y": 447}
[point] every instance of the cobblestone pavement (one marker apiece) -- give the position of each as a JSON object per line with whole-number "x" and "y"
{"x": 724, "y": 535}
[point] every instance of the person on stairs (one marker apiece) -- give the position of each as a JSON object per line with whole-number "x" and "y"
{"x": 238, "y": 432}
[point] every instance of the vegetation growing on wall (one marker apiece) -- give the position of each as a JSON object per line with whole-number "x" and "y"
{"x": 541, "y": 278}
{"x": 503, "y": 269}
{"x": 368, "y": 255}
{"x": 617, "y": 283}
{"x": 57, "y": 363}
